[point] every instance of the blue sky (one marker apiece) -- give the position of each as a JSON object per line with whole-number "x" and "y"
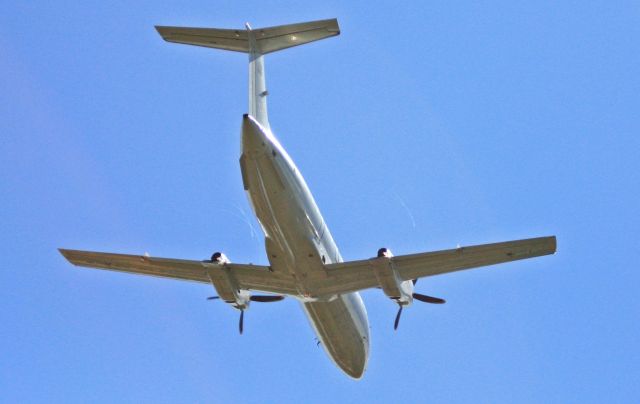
{"x": 422, "y": 126}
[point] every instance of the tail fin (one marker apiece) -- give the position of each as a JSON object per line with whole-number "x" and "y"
{"x": 267, "y": 39}
{"x": 255, "y": 42}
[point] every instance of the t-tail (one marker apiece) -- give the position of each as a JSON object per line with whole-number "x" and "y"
{"x": 257, "y": 43}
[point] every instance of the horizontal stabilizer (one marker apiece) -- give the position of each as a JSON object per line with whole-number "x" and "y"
{"x": 268, "y": 40}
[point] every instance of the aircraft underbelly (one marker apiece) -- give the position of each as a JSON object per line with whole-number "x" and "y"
{"x": 293, "y": 244}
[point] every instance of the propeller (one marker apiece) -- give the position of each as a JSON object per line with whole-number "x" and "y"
{"x": 422, "y": 298}
{"x": 395, "y": 323}
{"x": 428, "y": 299}
{"x": 259, "y": 298}
{"x": 266, "y": 298}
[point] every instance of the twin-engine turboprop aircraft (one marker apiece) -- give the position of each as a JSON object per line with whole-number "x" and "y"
{"x": 304, "y": 260}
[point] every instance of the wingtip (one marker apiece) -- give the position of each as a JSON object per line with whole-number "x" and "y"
{"x": 335, "y": 29}
{"x": 65, "y": 253}
{"x": 162, "y": 31}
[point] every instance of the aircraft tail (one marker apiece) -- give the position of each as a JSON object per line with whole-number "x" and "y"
{"x": 255, "y": 42}
{"x": 267, "y": 40}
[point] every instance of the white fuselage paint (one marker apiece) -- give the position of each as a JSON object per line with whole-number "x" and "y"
{"x": 298, "y": 242}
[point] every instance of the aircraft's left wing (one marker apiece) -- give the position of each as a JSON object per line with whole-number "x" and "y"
{"x": 351, "y": 276}
{"x": 246, "y": 276}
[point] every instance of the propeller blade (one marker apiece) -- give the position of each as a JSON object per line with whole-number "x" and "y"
{"x": 241, "y": 324}
{"x": 428, "y": 299}
{"x": 266, "y": 298}
{"x": 395, "y": 323}
{"x": 213, "y": 297}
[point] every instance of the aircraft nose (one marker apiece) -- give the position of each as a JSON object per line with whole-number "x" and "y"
{"x": 356, "y": 363}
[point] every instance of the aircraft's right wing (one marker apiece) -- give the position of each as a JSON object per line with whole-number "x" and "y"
{"x": 352, "y": 276}
{"x": 246, "y": 276}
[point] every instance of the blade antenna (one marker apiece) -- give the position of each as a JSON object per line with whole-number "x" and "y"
{"x": 241, "y": 323}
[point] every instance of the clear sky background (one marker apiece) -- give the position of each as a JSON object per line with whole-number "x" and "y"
{"x": 422, "y": 126}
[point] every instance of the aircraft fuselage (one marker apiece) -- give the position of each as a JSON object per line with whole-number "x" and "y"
{"x": 298, "y": 242}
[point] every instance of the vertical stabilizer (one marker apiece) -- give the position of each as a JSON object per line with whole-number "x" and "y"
{"x": 257, "y": 85}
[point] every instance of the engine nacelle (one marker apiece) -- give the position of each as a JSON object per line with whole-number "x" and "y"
{"x": 225, "y": 284}
{"x": 384, "y": 252}
{"x": 389, "y": 280}
{"x": 219, "y": 258}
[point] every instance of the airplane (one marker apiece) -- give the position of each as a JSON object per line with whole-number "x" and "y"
{"x": 304, "y": 261}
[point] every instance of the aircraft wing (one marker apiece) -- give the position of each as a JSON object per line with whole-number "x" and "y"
{"x": 247, "y": 276}
{"x": 339, "y": 278}
{"x": 352, "y": 276}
